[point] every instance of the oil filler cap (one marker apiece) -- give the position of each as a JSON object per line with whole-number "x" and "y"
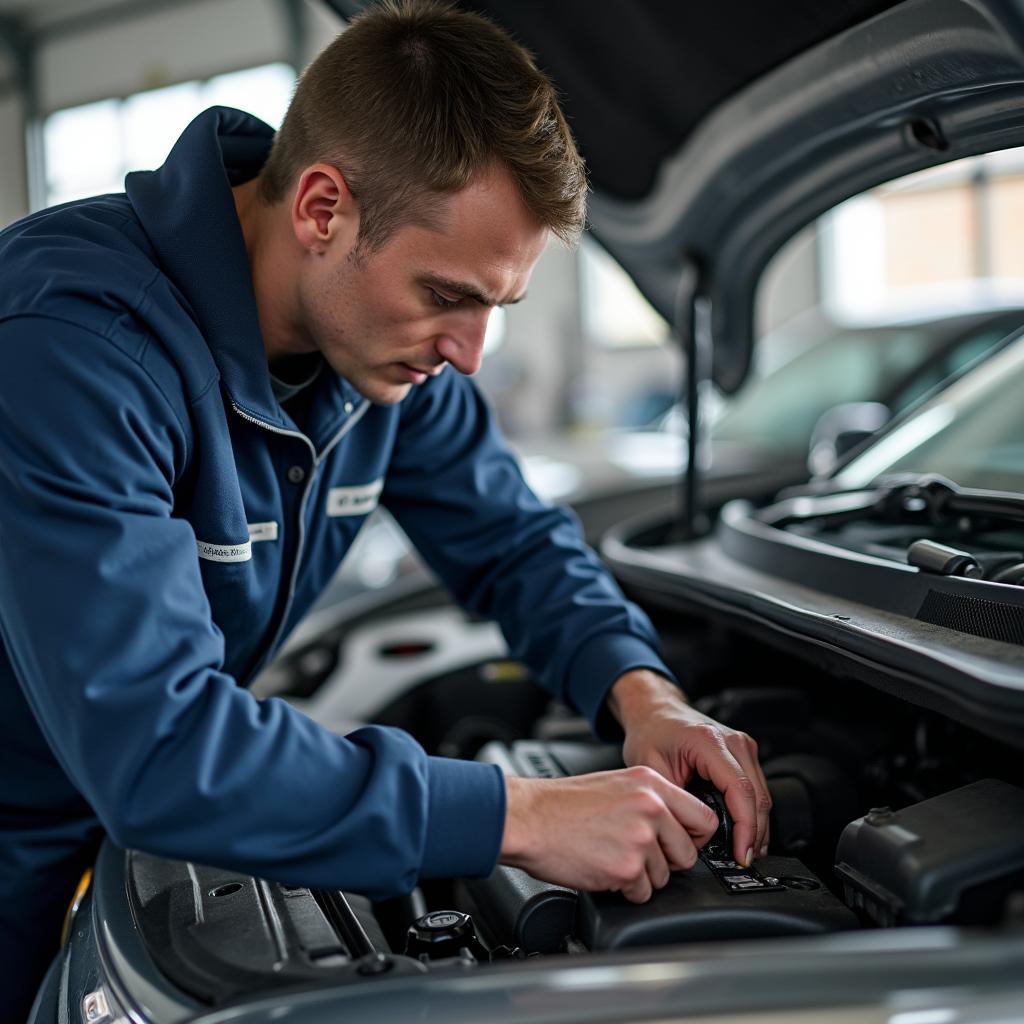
{"x": 443, "y": 920}
{"x": 442, "y": 933}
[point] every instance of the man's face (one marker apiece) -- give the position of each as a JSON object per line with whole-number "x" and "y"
{"x": 389, "y": 319}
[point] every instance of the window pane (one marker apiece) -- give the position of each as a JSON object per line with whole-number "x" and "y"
{"x": 89, "y": 149}
{"x": 940, "y": 240}
{"x": 263, "y": 92}
{"x": 153, "y": 121}
{"x": 931, "y": 237}
{"x": 615, "y": 314}
{"x": 904, "y": 285}
{"x": 83, "y": 153}
{"x": 1007, "y": 217}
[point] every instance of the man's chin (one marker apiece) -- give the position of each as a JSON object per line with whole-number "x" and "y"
{"x": 384, "y": 394}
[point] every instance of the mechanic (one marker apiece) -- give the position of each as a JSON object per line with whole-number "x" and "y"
{"x": 209, "y": 382}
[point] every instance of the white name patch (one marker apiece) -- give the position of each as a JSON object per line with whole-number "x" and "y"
{"x": 262, "y": 531}
{"x": 225, "y": 552}
{"x": 354, "y": 501}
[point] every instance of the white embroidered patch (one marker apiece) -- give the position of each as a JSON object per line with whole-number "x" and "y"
{"x": 262, "y": 531}
{"x": 354, "y": 501}
{"x": 225, "y": 552}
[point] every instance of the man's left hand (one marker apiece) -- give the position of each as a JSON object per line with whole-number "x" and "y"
{"x": 665, "y": 733}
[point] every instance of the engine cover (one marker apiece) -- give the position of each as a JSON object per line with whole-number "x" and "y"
{"x": 698, "y": 905}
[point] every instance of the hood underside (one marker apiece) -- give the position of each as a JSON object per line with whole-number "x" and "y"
{"x": 714, "y": 133}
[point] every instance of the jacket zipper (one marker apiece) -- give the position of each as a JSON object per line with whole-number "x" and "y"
{"x": 353, "y": 419}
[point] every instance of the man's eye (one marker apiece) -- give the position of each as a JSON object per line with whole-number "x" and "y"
{"x": 439, "y": 300}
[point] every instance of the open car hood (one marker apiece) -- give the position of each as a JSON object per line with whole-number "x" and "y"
{"x": 707, "y": 150}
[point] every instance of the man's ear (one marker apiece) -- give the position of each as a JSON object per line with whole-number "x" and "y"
{"x": 324, "y": 211}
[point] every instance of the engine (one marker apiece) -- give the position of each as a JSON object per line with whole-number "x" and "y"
{"x": 885, "y": 815}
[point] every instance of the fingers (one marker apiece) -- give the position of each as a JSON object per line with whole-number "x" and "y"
{"x": 673, "y": 818}
{"x": 755, "y": 791}
{"x": 625, "y": 830}
{"x": 762, "y": 797}
{"x": 729, "y": 760}
{"x": 748, "y": 799}
{"x": 655, "y": 875}
{"x": 659, "y": 863}
{"x": 697, "y": 824}
{"x": 667, "y": 733}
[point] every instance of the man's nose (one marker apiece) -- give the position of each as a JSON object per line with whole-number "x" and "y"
{"x": 464, "y": 347}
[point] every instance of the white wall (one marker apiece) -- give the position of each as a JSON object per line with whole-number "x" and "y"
{"x": 194, "y": 40}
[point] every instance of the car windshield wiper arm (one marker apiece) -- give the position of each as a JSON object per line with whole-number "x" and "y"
{"x": 903, "y": 498}
{"x": 944, "y": 501}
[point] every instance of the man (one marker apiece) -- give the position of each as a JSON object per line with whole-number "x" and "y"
{"x": 208, "y": 384}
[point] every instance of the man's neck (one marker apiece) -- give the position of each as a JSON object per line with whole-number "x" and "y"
{"x": 268, "y": 244}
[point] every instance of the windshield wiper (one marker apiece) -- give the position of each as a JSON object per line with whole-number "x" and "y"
{"x": 943, "y": 501}
{"x": 904, "y": 498}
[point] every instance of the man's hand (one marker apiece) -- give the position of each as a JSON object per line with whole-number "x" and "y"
{"x": 665, "y": 733}
{"x": 623, "y": 830}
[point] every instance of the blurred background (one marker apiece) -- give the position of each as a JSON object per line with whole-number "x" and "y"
{"x": 873, "y": 303}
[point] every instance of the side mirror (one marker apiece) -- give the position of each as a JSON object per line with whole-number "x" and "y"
{"x": 841, "y": 429}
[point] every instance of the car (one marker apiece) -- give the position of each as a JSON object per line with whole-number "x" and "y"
{"x": 828, "y": 386}
{"x": 794, "y": 413}
{"x": 885, "y": 604}
{"x": 866, "y": 628}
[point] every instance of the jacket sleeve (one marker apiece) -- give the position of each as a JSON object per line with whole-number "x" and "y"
{"x": 457, "y": 490}
{"x": 110, "y": 635}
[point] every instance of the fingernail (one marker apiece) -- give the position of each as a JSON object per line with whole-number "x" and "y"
{"x": 749, "y": 858}
{"x": 764, "y": 850}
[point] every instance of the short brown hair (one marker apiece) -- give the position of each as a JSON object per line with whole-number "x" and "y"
{"x": 414, "y": 98}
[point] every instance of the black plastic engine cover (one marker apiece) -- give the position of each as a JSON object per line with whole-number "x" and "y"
{"x": 694, "y": 907}
{"x": 218, "y": 934}
{"x": 951, "y": 859}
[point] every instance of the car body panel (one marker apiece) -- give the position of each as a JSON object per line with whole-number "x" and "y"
{"x": 859, "y": 977}
{"x": 975, "y": 680}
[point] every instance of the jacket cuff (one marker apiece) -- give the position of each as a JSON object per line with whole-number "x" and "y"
{"x": 465, "y": 818}
{"x": 597, "y": 666}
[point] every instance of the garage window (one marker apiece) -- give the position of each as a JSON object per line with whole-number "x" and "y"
{"x": 615, "y": 314}
{"x": 942, "y": 239}
{"x": 89, "y": 149}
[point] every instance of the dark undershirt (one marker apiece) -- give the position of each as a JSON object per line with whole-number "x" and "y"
{"x": 290, "y": 379}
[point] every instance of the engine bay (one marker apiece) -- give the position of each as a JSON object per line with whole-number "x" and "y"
{"x": 885, "y": 815}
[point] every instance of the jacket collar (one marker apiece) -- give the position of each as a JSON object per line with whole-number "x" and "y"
{"x": 187, "y": 209}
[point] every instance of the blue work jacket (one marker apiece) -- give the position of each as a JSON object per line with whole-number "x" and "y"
{"x": 164, "y": 524}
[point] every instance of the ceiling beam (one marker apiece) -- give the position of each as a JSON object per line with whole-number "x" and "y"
{"x": 112, "y": 13}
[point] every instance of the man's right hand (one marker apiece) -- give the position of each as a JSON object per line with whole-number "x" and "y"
{"x": 621, "y": 830}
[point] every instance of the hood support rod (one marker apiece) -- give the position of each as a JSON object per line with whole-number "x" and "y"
{"x": 693, "y": 326}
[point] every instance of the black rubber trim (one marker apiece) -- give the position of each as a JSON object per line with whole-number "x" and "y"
{"x": 978, "y": 681}
{"x": 878, "y": 582}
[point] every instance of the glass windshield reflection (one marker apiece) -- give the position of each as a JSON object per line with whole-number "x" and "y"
{"x": 972, "y": 433}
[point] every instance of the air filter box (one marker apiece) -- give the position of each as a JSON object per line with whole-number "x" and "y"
{"x": 952, "y": 859}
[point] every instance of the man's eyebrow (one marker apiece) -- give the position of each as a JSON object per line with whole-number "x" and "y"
{"x": 469, "y": 291}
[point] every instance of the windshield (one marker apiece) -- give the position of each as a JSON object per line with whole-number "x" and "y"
{"x": 783, "y": 407}
{"x": 972, "y": 433}
{"x": 893, "y": 365}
